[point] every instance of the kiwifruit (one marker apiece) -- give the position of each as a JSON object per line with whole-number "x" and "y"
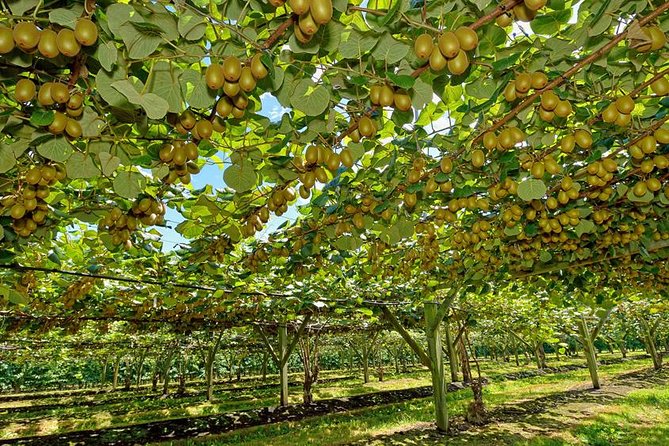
{"x": 179, "y": 155}
{"x": 375, "y": 94}
{"x": 232, "y": 69}
{"x": 218, "y": 124}
{"x": 657, "y": 38}
{"x": 58, "y": 124}
{"x": 610, "y": 114}
{"x": 299, "y": 7}
{"x": 423, "y": 46}
{"x": 625, "y": 104}
{"x": 468, "y": 38}
{"x": 241, "y": 101}
{"x": 76, "y": 101}
{"x": 386, "y": 96}
{"x": 258, "y": 68}
{"x": 48, "y": 172}
{"x": 662, "y": 135}
{"x": 73, "y": 128}
{"x": 402, "y": 100}
{"x": 307, "y": 24}
{"x": 535, "y": 5}
{"x": 366, "y": 127}
{"x": 311, "y": 155}
{"x": 6, "y": 40}
{"x": 510, "y": 92}
{"x": 74, "y": 112}
{"x": 537, "y": 170}
{"x": 660, "y": 87}
{"x": 25, "y": 90}
{"x": 67, "y": 43}
{"x": 346, "y": 157}
{"x": 504, "y": 20}
{"x": 48, "y": 45}
{"x": 59, "y": 93}
{"x": 437, "y": 60}
{"x": 583, "y": 138}
{"x": 231, "y": 89}
{"x": 523, "y": 13}
{"x": 247, "y": 82}
{"x": 321, "y": 11}
{"x": 523, "y": 82}
{"x": 237, "y": 113}
{"x": 204, "y": 129}
{"x": 640, "y": 189}
{"x": 191, "y": 151}
{"x": 17, "y": 211}
{"x": 506, "y": 139}
{"x": 44, "y": 94}
{"x": 85, "y": 31}
{"x": 653, "y": 184}
{"x": 224, "y": 107}
{"x": 546, "y": 115}
{"x": 623, "y": 120}
{"x": 214, "y": 76}
{"x": 446, "y": 165}
{"x": 459, "y": 63}
{"x": 300, "y": 35}
{"x": 187, "y": 119}
{"x": 549, "y": 100}
{"x": 449, "y": 45}
{"x": 568, "y": 143}
{"x": 26, "y": 36}
{"x": 563, "y": 109}
{"x": 333, "y": 162}
{"x": 489, "y": 140}
{"x": 33, "y": 175}
{"x": 539, "y": 80}
{"x": 478, "y": 158}
{"x": 165, "y": 153}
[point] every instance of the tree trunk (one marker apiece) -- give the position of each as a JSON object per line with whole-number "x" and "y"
{"x": 588, "y": 350}
{"x": 452, "y": 354}
{"x": 365, "y": 364}
{"x": 209, "y": 375}
{"x": 649, "y": 335}
{"x": 283, "y": 367}
{"x": 117, "y": 365}
{"x": 103, "y": 373}
{"x": 433, "y": 333}
{"x": 263, "y": 368}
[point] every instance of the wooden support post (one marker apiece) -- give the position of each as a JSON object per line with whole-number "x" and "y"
{"x": 452, "y": 355}
{"x": 649, "y": 335}
{"x": 589, "y": 351}
{"x": 432, "y": 329}
{"x": 283, "y": 365}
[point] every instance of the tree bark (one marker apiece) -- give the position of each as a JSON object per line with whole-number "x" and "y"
{"x": 649, "y": 335}
{"x": 433, "y": 332}
{"x": 588, "y": 350}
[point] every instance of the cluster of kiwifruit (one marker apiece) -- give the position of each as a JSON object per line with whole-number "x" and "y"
{"x": 472, "y": 203}
{"x": 654, "y": 40}
{"x": 650, "y": 184}
{"x": 525, "y": 12}
{"x": 385, "y": 95}
{"x": 187, "y": 123}
{"x": 552, "y": 106}
{"x": 555, "y": 225}
{"x": 648, "y": 145}
{"x": 415, "y": 174}
{"x": 523, "y": 83}
{"x": 507, "y": 187}
{"x": 660, "y": 86}
{"x": 120, "y": 225}
{"x": 507, "y": 138}
{"x": 602, "y": 194}
{"x": 621, "y": 237}
{"x": 449, "y": 51}
{"x": 312, "y": 14}
{"x": 580, "y": 137}
{"x": 512, "y": 215}
{"x": 619, "y": 112}
{"x": 181, "y": 157}
{"x": 76, "y": 290}
{"x": 27, "y": 37}
{"x": 480, "y": 231}
{"x": 539, "y": 167}
{"x": 366, "y": 128}
{"x": 316, "y": 160}
{"x": 569, "y": 190}
{"x": 254, "y": 222}
{"x": 54, "y": 95}
{"x": 27, "y": 206}
{"x": 236, "y": 79}
{"x": 600, "y": 173}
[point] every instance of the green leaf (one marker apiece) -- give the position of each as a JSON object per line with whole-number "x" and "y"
{"x": 56, "y": 149}
{"x": 129, "y": 184}
{"x": 550, "y": 23}
{"x": 490, "y": 37}
{"x": 81, "y": 165}
{"x": 645, "y": 198}
{"x": 584, "y": 227}
{"x": 165, "y": 81}
{"x": 19, "y": 7}
{"x": 13, "y": 296}
{"x": 309, "y": 98}
{"x": 356, "y": 44}
{"x": 531, "y": 189}
{"x": 41, "y": 117}
{"x": 107, "y": 55}
{"x": 402, "y": 80}
{"x": 155, "y": 106}
{"x": 66, "y": 16}
{"x": 7, "y": 158}
{"x": 108, "y": 163}
{"x": 200, "y": 96}
{"x": 390, "y": 50}
{"x": 241, "y": 177}
{"x": 191, "y": 27}
{"x": 91, "y": 123}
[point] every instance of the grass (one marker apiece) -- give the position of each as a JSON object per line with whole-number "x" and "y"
{"x": 333, "y": 429}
